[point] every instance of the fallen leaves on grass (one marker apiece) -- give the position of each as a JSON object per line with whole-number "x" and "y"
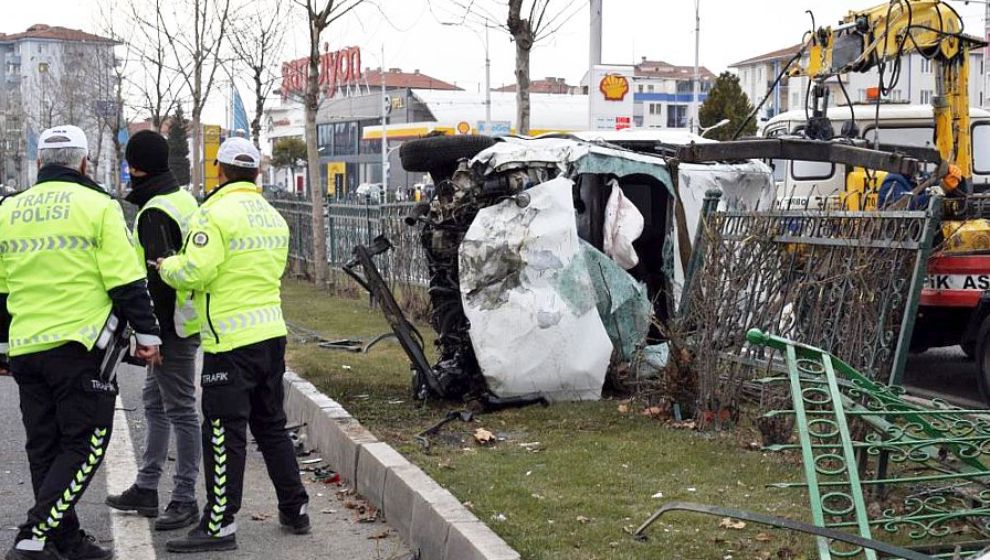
{"x": 583, "y": 520}
{"x": 763, "y": 537}
{"x": 734, "y": 524}
{"x": 484, "y": 437}
{"x": 685, "y": 425}
{"x": 654, "y": 412}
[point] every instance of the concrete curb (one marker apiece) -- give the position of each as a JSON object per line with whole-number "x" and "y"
{"x": 426, "y": 516}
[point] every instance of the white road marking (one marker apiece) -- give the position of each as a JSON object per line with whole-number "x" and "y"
{"x": 131, "y": 532}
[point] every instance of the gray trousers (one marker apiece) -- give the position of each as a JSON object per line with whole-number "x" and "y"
{"x": 170, "y": 403}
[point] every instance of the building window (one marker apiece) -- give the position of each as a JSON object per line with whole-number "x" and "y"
{"x": 649, "y": 88}
{"x": 324, "y": 138}
{"x": 926, "y": 66}
{"x": 926, "y": 96}
{"x": 641, "y": 88}
{"x": 677, "y": 116}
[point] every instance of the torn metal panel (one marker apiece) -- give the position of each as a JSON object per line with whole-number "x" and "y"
{"x": 570, "y": 157}
{"x": 745, "y": 187}
{"x": 530, "y": 300}
{"x": 622, "y": 302}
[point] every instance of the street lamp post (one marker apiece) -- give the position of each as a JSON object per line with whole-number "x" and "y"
{"x": 703, "y": 131}
{"x": 488, "y": 70}
{"x": 696, "y": 96}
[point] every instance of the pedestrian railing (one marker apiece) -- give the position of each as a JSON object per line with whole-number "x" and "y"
{"x": 349, "y": 225}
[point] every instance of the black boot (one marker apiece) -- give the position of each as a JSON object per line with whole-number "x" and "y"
{"x": 47, "y": 553}
{"x": 81, "y": 546}
{"x": 177, "y": 515}
{"x": 144, "y": 502}
{"x": 198, "y": 541}
{"x": 298, "y": 524}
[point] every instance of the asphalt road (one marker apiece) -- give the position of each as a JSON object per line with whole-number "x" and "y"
{"x": 336, "y": 532}
{"x": 945, "y": 372}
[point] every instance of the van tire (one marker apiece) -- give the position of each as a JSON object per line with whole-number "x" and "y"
{"x": 427, "y": 155}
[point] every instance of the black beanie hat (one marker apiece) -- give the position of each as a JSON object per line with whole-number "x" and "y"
{"x": 148, "y": 151}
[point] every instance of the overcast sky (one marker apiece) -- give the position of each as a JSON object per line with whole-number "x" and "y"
{"x": 413, "y": 38}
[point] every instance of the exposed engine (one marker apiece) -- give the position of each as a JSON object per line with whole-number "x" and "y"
{"x": 445, "y": 220}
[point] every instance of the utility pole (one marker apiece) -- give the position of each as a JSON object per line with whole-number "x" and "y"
{"x": 488, "y": 83}
{"x": 697, "y": 67}
{"x": 384, "y": 131}
{"x": 595, "y": 54}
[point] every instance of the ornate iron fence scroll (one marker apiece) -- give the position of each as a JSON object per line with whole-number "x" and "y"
{"x": 848, "y": 282}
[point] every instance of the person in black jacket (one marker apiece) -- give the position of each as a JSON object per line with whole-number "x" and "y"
{"x": 170, "y": 388}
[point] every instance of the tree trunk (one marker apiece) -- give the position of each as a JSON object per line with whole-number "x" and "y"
{"x": 320, "y": 267}
{"x": 95, "y": 172}
{"x": 522, "y": 88}
{"x": 198, "y": 179}
{"x": 259, "y": 109}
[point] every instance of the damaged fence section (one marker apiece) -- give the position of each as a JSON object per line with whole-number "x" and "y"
{"x": 848, "y": 282}
{"x": 880, "y": 466}
{"x": 350, "y": 225}
{"x": 885, "y": 476}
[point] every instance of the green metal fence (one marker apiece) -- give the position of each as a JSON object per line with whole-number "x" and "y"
{"x": 349, "y": 225}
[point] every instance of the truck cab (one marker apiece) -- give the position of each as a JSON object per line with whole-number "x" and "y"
{"x": 899, "y": 126}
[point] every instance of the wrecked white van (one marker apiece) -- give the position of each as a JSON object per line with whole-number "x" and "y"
{"x": 549, "y": 257}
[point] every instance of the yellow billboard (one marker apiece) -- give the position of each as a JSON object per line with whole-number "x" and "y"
{"x": 336, "y": 172}
{"x": 211, "y": 145}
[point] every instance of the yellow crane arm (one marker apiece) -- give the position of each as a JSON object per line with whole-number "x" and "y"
{"x": 866, "y": 39}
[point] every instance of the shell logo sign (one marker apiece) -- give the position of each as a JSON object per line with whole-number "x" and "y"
{"x": 614, "y": 87}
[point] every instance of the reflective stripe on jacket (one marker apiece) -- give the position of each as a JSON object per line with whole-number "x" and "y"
{"x": 233, "y": 259}
{"x": 63, "y": 246}
{"x": 180, "y": 206}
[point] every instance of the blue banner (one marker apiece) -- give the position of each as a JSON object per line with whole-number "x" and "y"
{"x": 240, "y": 119}
{"x": 32, "y": 144}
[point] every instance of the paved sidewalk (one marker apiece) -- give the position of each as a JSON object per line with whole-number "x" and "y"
{"x": 336, "y": 532}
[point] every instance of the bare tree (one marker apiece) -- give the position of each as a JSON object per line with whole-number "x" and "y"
{"x": 156, "y": 84}
{"x": 112, "y": 114}
{"x": 196, "y": 33}
{"x": 258, "y": 42}
{"x": 528, "y": 22}
{"x": 320, "y": 14}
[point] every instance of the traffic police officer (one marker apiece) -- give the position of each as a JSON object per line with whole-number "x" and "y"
{"x": 233, "y": 260}
{"x": 170, "y": 389}
{"x": 67, "y": 269}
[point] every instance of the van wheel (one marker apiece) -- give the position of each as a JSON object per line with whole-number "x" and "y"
{"x": 983, "y": 360}
{"x": 969, "y": 348}
{"x": 427, "y": 155}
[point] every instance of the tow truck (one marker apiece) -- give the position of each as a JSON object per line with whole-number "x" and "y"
{"x": 955, "y": 303}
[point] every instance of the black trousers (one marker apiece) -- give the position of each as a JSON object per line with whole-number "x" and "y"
{"x": 68, "y": 417}
{"x": 243, "y": 388}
